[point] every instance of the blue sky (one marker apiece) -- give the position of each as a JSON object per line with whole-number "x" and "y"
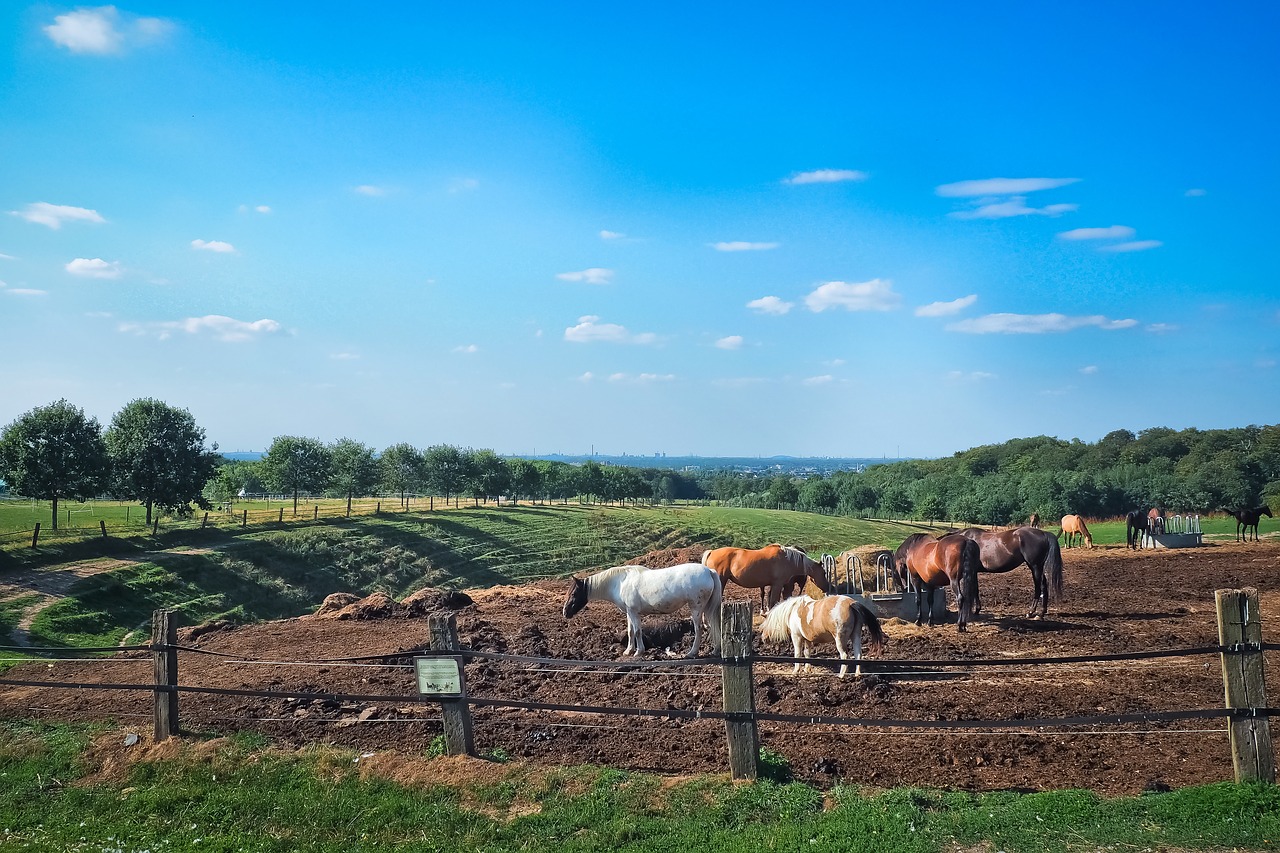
{"x": 732, "y": 229}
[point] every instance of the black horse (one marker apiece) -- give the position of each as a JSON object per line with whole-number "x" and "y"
{"x": 1135, "y": 528}
{"x": 1246, "y": 518}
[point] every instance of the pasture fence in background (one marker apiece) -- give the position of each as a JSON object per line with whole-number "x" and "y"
{"x": 1240, "y": 651}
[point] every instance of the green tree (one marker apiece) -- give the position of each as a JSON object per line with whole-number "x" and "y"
{"x": 402, "y": 468}
{"x": 158, "y": 457}
{"x": 783, "y": 492}
{"x": 355, "y": 468}
{"x": 233, "y": 477}
{"x": 488, "y": 474}
{"x": 526, "y": 478}
{"x": 53, "y": 453}
{"x": 295, "y": 464}
{"x": 446, "y": 469}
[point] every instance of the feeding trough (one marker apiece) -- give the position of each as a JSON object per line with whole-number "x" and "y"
{"x": 866, "y": 571}
{"x": 1175, "y": 531}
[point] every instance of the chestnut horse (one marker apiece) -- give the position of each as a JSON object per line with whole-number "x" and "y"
{"x": 832, "y": 618}
{"x": 953, "y": 560}
{"x": 1155, "y": 520}
{"x": 774, "y": 567}
{"x": 1246, "y": 518}
{"x": 1073, "y": 526}
{"x": 1005, "y": 550}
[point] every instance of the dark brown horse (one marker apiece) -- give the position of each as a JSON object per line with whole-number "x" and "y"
{"x": 954, "y": 560}
{"x": 1246, "y": 518}
{"x": 1005, "y": 550}
{"x": 1135, "y": 528}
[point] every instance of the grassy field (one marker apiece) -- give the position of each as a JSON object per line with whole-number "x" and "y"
{"x": 236, "y": 795}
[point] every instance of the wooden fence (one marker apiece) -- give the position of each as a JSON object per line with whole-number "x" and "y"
{"x": 1240, "y": 650}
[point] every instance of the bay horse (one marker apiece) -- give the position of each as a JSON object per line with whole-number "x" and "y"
{"x": 1246, "y": 518}
{"x": 640, "y": 591}
{"x": 774, "y": 567}
{"x": 953, "y": 560}
{"x": 1073, "y": 526}
{"x": 1005, "y": 550}
{"x": 1135, "y": 528}
{"x": 833, "y": 618}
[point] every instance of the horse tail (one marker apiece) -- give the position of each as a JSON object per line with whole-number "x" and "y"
{"x": 714, "y": 615}
{"x": 970, "y": 562}
{"x": 1053, "y": 569}
{"x": 872, "y": 624}
{"x": 705, "y": 554}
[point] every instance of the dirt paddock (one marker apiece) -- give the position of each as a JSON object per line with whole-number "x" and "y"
{"x": 1116, "y": 601}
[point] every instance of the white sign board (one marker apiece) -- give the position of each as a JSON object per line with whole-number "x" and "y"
{"x": 439, "y": 676}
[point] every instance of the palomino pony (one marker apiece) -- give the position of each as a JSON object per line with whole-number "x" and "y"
{"x": 1135, "y": 528}
{"x": 832, "y": 618}
{"x": 639, "y": 591}
{"x": 774, "y": 567}
{"x": 1005, "y": 550}
{"x": 953, "y": 560}
{"x": 1246, "y": 518}
{"x": 1073, "y": 526}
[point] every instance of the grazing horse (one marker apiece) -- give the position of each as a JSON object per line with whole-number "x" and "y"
{"x": 1034, "y": 520}
{"x": 774, "y": 567}
{"x": 832, "y": 618}
{"x": 1073, "y": 526}
{"x": 639, "y": 591}
{"x": 1135, "y": 528}
{"x": 1005, "y": 550}
{"x": 1246, "y": 518}
{"x": 1155, "y": 520}
{"x": 953, "y": 560}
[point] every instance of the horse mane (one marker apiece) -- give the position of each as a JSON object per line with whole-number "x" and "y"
{"x": 774, "y": 627}
{"x": 608, "y": 574}
{"x": 795, "y": 555}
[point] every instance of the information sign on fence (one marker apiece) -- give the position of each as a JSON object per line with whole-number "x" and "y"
{"x": 439, "y": 676}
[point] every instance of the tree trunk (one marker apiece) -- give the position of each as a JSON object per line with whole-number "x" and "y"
{"x": 148, "y": 513}
{"x": 348, "y": 504}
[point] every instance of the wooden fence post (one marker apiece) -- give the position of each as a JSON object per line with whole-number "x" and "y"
{"x": 315, "y": 514}
{"x": 281, "y": 518}
{"x": 739, "y": 692}
{"x": 244, "y": 518}
{"x": 1240, "y": 631}
{"x": 458, "y": 739}
{"x": 164, "y": 654}
{"x": 204, "y": 521}
{"x": 103, "y": 524}
{"x": 35, "y": 535}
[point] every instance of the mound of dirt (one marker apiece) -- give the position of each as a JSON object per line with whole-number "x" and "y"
{"x": 670, "y": 557}
{"x": 335, "y": 603}
{"x": 379, "y": 605}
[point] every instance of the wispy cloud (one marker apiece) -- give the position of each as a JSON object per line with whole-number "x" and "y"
{"x": 463, "y": 185}
{"x": 770, "y": 305}
{"x": 104, "y": 30}
{"x": 94, "y": 268}
{"x": 729, "y": 342}
{"x": 971, "y": 376}
{"x": 1111, "y": 232}
{"x": 1035, "y": 324}
{"x": 213, "y": 246}
{"x": 826, "y": 176}
{"x": 612, "y": 235}
{"x": 53, "y": 215}
{"x": 825, "y": 379}
{"x": 343, "y": 356}
{"x": 1161, "y": 328}
{"x": 592, "y": 275}
{"x": 874, "y": 295}
{"x": 1132, "y": 246}
{"x": 371, "y": 190}
{"x": 1089, "y": 369}
{"x": 743, "y": 246}
{"x": 226, "y": 329}
{"x": 1007, "y": 208}
{"x": 21, "y": 291}
{"x": 945, "y": 309}
{"x": 1195, "y": 192}
{"x": 642, "y": 378}
{"x": 4, "y": 257}
{"x": 257, "y": 208}
{"x": 467, "y": 349}
{"x": 590, "y": 330}
{"x": 1001, "y": 186}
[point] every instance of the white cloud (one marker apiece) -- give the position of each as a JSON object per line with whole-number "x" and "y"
{"x": 371, "y": 190}
{"x": 104, "y": 30}
{"x": 1001, "y": 186}
{"x": 262, "y": 208}
{"x": 729, "y": 342}
{"x": 1016, "y": 206}
{"x": 1089, "y": 369}
{"x": 1161, "y": 328}
{"x": 770, "y": 305}
{"x": 343, "y": 356}
{"x": 642, "y": 378}
{"x": 1035, "y": 324}
{"x": 825, "y": 379}
{"x": 1112, "y": 232}
{"x": 835, "y": 362}
{"x": 593, "y": 275}
{"x": 591, "y": 330}
{"x": 874, "y": 295}
{"x": 94, "y": 268}
{"x": 743, "y": 246}
{"x": 1195, "y": 192}
{"x": 944, "y": 309}
{"x": 22, "y": 291}
{"x": 586, "y": 377}
{"x": 612, "y": 235}
{"x": 4, "y": 257}
{"x": 222, "y": 328}
{"x": 257, "y": 208}
{"x": 53, "y": 215}
{"x": 826, "y": 176}
{"x": 467, "y": 348}
{"x": 1132, "y": 246}
{"x": 212, "y": 246}
{"x": 971, "y": 376}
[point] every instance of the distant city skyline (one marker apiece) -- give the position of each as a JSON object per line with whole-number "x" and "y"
{"x": 719, "y": 230}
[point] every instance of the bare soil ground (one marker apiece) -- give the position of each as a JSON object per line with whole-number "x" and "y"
{"x": 1117, "y": 601}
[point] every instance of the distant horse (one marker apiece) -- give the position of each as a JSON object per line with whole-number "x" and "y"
{"x": 1005, "y": 550}
{"x": 1135, "y": 528}
{"x": 1246, "y": 518}
{"x": 1155, "y": 520}
{"x": 774, "y": 567}
{"x": 1034, "y": 520}
{"x": 832, "y": 618}
{"x": 1073, "y": 526}
{"x": 953, "y": 560}
{"x": 639, "y": 591}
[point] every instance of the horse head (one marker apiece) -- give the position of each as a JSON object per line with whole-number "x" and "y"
{"x": 1265, "y": 510}
{"x": 576, "y": 599}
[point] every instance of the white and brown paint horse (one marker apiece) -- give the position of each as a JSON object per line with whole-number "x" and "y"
{"x": 639, "y": 591}
{"x": 808, "y": 621}
{"x": 773, "y": 568}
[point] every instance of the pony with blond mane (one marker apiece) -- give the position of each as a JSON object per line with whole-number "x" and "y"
{"x": 1076, "y": 531}
{"x": 640, "y": 591}
{"x": 774, "y": 568}
{"x": 833, "y": 618}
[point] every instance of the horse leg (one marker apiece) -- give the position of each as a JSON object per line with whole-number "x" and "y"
{"x": 697, "y": 634}
{"x": 796, "y": 641}
{"x": 635, "y": 638}
{"x": 764, "y": 608}
{"x": 1039, "y": 589}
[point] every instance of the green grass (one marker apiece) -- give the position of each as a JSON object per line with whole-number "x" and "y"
{"x": 233, "y": 795}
